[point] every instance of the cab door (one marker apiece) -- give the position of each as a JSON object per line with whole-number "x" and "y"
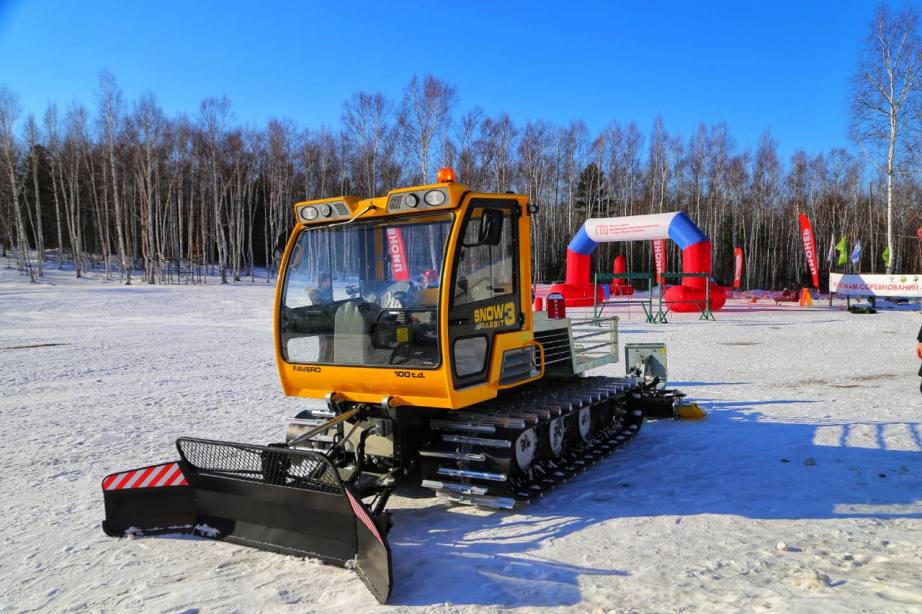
{"x": 485, "y": 287}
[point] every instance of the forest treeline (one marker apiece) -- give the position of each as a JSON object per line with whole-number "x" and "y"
{"x": 120, "y": 185}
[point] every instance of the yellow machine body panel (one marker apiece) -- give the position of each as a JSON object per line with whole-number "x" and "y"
{"x": 464, "y": 333}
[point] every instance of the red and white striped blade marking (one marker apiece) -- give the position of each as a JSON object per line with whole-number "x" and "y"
{"x": 359, "y": 510}
{"x": 157, "y": 476}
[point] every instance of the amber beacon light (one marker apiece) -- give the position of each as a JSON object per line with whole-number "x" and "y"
{"x": 446, "y": 175}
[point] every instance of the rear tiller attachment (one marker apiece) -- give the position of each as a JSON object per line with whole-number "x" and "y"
{"x": 274, "y": 498}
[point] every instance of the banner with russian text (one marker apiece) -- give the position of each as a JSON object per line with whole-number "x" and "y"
{"x": 876, "y": 285}
{"x": 738, "y": 268}
{"x": 806, "y": 233}
{"x": 659, "y": 255}
{"x": 398, "y": 253}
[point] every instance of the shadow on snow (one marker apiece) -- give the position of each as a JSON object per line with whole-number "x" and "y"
{"x": 735, "y": 462}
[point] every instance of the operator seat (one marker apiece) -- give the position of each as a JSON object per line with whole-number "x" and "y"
{"x": 351, "y": 343}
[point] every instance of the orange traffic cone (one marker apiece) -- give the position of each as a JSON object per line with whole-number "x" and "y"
{"x": 805, "y": 299}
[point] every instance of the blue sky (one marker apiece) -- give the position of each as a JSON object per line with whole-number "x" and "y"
{"x": 782, "y": 66}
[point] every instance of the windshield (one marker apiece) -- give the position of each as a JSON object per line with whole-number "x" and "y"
{"x": 365, "y": 293}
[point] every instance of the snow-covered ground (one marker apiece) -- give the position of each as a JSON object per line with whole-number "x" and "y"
{"x": 800, "y": 492}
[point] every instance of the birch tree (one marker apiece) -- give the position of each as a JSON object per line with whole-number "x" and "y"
{"x": 9, "y": 157}
{"x": 33, "y": 147}
{"x": 365, "y": 128}
{"x": 53, "y": 133}
{"x": 424, "y": 120}
{"x": 110, "y": 103}
{"x": 885, "y": 105}
{"x": 214, "y": 115}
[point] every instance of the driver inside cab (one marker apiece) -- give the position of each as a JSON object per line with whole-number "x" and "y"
{"x": 428, "y": 282}
{"x": 429, "y": 279}
{"x": 323, "y": 293}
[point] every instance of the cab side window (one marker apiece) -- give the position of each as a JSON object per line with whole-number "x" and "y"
{"x": 486, "y": 269}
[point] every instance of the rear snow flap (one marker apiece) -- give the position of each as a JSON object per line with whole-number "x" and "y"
{"x": 267, "y": 497}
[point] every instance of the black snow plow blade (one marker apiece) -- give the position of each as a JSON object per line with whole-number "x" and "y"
{"x": 273, "y": 498}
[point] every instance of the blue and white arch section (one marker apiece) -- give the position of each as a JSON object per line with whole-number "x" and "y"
{"x": 676, "y": 226}
{"x": 579, "y": 291}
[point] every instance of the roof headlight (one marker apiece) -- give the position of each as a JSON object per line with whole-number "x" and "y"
{"x": 309, "y": 214}
{"x": 326, "y": 210}
{"x": 411, "y": 200}
{"x": 434, "y": 198}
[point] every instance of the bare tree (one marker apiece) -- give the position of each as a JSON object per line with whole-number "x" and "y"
{"x": 53, "y": 132}
{"x": 424, "y": 119}
{"x": 214, "y": 116}
{"x": 110, "y": 103}
{"x": 885, "y": 102}
{"x": 76, "y": 143}
{"x": 280, "y": 171}
{"x": 32, "y": 144}
{"x": 365, "y": 128}
{"x": 496, "y": 140}
{"x": 465, "y": 161}
{"x": 658, "y": 168}
{"x": 9, "y": 157}
{"x": 147, "y": 134}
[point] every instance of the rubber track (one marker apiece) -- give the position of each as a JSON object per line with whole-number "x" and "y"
{"x": 614, "y": 406}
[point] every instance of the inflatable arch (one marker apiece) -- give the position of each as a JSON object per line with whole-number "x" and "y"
{"x": 620, "y": 287}
{"x": 579, "y": 291}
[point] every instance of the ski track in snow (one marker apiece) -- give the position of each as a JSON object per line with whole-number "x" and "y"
{"x": 728, "y": 514}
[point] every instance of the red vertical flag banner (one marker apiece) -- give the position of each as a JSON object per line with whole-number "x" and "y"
{"x": 398, "y": 252}
{"x": 738, "y": 267}
{"x": 659, "y": 255}
{"x": 806, "y": 233}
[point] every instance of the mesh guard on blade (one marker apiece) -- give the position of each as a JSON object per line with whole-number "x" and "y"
{"x": 278, "y": 466}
